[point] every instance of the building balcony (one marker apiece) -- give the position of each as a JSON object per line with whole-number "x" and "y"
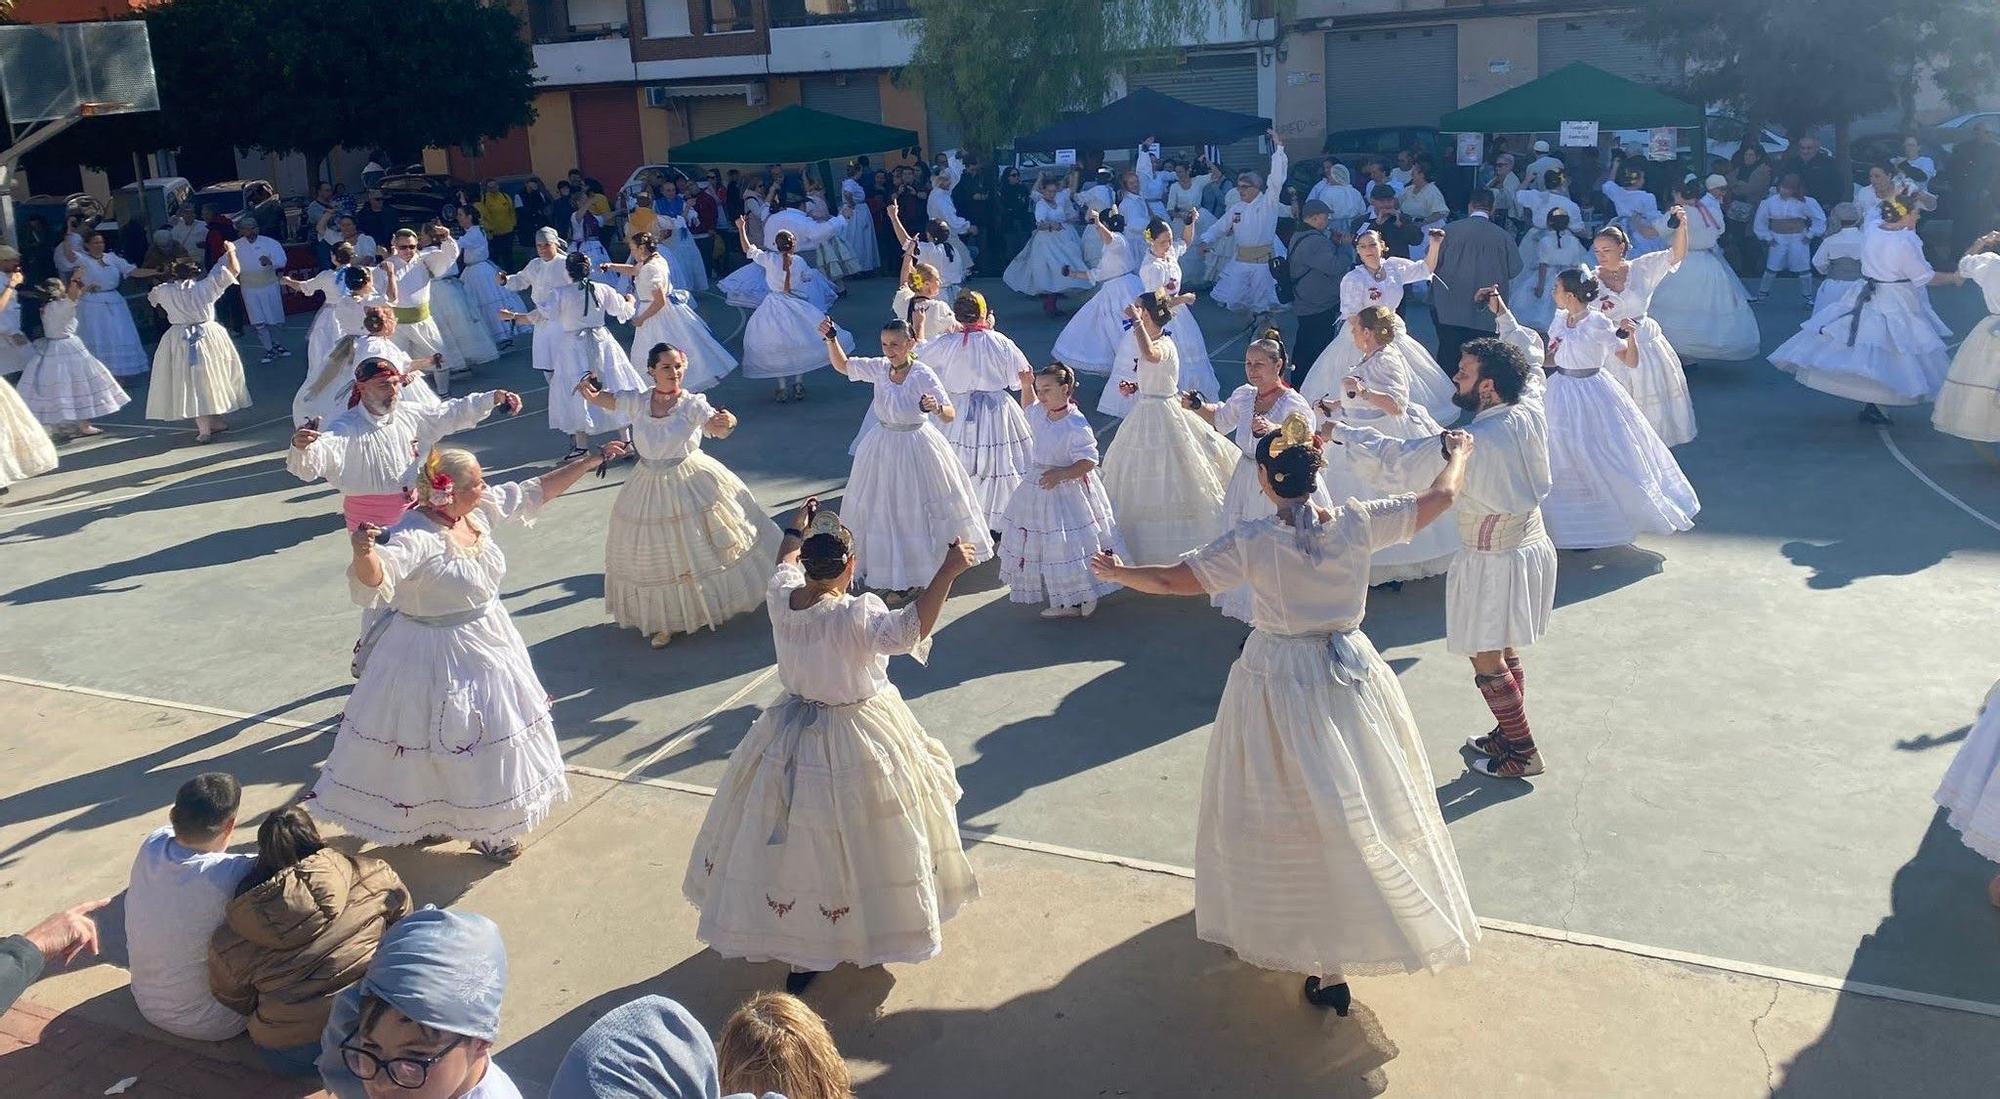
{"x": 813, "y": 13}
{"x": 555, "y": 22}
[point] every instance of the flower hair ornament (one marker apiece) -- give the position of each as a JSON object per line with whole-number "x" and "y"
{"x": 1294, "y": 432}
{"x": 916, "y": 281}
{"x": 1896, "y": 209}
{"x": 437, "y": 488}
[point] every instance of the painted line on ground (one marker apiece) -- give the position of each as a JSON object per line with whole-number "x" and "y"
{"x": 1896, "y": 452}
{"x": 976, "y": 836}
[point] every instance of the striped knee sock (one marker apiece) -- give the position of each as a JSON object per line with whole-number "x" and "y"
{"x": 1520, "y": 677}
{"x": 1503, "y": 697}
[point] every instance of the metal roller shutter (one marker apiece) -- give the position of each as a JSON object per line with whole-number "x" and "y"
{"x": 1402, "y": 77}
{"x": 852, "y": 95}
{"x": 607, "y": 133}
{"x": 716, "y": 113}
{"x": 1600, "y": 42}
{"x": 1226, "y": 82}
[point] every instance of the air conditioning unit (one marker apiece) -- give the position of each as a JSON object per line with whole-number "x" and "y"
{"x": 754, "y": 92}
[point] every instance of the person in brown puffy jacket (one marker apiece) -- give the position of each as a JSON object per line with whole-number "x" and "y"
{"x": 303, "y": 926}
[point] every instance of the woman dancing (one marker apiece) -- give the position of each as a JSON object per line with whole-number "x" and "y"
{"x": 1121, "y": 389}
{"x": 870, "y": 865}
{"x": 467, "y": 343}
{"x": 104, "y": 321}
{"x": 1701, "y": 308}
{"x": 688, "y": 546}
{"x": 541, "y": 278}
{"x": 665, "y": 317}
{"x": 781, "y": 341}
{"x": 1090, "y": 341}
{"x": 196, "y": 372}
{"x": 1379, "y": 280}
{"x": 908, "y": 497}
{"x": 484, "y": 285}
{"x": 448, "y": 731}
{"x": 1041, "y": 267}
{"x": 1969, "y": 404}
{"x": 1160, "y": 270}
{"x": 1613, "y": 479}
{"x": 1320, "y": 847}
{"x": 1625, "y": 292}
{"x": 581, "y": 310}
{"x": 982, "y": 371}
{"x": 64, "y": 385}
{"x": 917, "y": 297}
{"x": 1532, "y": 297}
{"x": 332, "y": 286}
{"x": 937, "y": 246}
{"x": 1166, "y": 471}
{"x": 1056, "y": 522}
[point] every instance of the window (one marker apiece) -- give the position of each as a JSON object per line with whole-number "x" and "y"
{"x": 803, "y": 13}
{"x": 729, "y": 16}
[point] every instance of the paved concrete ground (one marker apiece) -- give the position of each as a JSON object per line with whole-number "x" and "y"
{"x": 1744, "y": 722}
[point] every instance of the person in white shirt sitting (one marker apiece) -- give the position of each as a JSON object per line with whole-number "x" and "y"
{"x": 181, "y": 882}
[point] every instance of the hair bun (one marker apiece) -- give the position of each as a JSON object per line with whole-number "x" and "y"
{"x": 1273, "y": 335}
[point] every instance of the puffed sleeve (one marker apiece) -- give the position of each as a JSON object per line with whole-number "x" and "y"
{"x": 868, "y": 369}
{"x": 615, "y": 304}
{"x": 1649, "y": 270}
{"x": 788, "y": 579}
{"x": 399, "y": 551}
{"x": 1983, "y": 268}
{"x": 514, "y": 502}
{"x": 1389, "y": 522}
{"x": 1082, "y": 441}
{"x": 928, "y": 383}
{"x": 1230, "y": 412}
{"x": 896, "y": 632}
{"x": 634, "y": 405}
{"x": 1353, "y": 293}
{"x": 1406, "y": 271}
{"x": 219, "y": 278}
{"x": 1222, "y": 564}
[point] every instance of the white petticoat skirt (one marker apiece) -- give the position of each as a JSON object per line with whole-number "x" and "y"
{"x": 1704, "y": 312}
{"x": 685, "y": 265}
{"x": 591, "y": 350}
{"x": 1657, "y": 385}
{"x": 1969, "y": 404}
{"x": 1429, "y": 385}
{"x": 907, "y": 499}
{"x": 25, "y": 447}
{"x": 687, "y": 547}
{"x": 860, "y": 236}
{"x": 321, "y": 338}
{"x": 678, "y": 325}
{"x": 1320, "y": 848}
{"x": 1248, "y": 287}
{"x": 990, "y": 437}
{"x": 1499, "y": 599}
{"x": 1049, "y": 535}
{"x": 1430, "y": 551}
{"x": 1165, "y": 473}
{"x": 1038, "y": 267}
{"x": 104, "y": 322}
{"x": 746, "y": 288}
{"x": 835, "y": 258}
{"x": 1896, "y": 357}
{"x": 1536, "y": 311}
{"x": 1197, "y": 370}
{"x": 782, "y": 338}
{"x": 466, "y": 341}
{"x": 203, "y": 378}
{"x": 1970, "y": 792}
{"x": 64, "y": 383}
{"x": 447, "y": 733}
{"x": 1613, "y": 479}
{"x": 1242, "y": 501}
{"x": 832, "y": 837}
{"x": 488, "y": 298}
{"x": 1089, "y": 341}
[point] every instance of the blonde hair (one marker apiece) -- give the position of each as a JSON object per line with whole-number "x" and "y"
{"x": 454, "y": 462}
{"x": 1383, "y": 324}
{"x": 776, "y": 1043}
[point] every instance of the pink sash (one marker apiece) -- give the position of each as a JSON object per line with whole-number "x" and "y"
{"x": 384, "y": 510}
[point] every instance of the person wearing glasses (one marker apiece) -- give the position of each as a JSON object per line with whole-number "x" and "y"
{"x": 421, "y": 1024}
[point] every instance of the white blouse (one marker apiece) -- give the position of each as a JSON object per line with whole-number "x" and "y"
{"x": 425, "y": 573}
{"x": 1894, "y": 255}
{"x": 1983, "y": 269}
{"x": 1588, "y": 344}
{"x": 776, "y": 278}
{"x": 361, "y": 454}
{"x": 192, "y": 301}
{"x": 472, "y": 247}
{"x": 1255, "y": 222}
{"x": 837, "y": 650}
{"x": 938, "y": 317}
{"x": 541, "y": 278}
{"x": 1162, "y": 274}
{"x": 979, "y": 361}
{"x": 672, "y": 436}
{"x": 896, "y": 402}
{"x": 1643, "y": 276}
{"x": 1063, "y": 441}
{"x": 653, "y": 277}
{"x": 1361, "y": 288}
{"x": 574, "y": 311}
{"x": 1236, "y": 416}
{"x": 1306, "y": 582}
{"x": 103, "y": 275}
{"x": 58, "y": 319}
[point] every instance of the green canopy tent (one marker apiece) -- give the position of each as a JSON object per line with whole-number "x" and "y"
{"x": 1574, "y": 93}
{"x": 794, "y": 135}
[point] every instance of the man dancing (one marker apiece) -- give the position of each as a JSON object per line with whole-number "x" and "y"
{"x": 1502, "y": 584}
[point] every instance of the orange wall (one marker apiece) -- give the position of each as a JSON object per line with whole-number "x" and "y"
{"x": 72, "y": 11}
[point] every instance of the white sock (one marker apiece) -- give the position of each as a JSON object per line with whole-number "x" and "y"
{"x": 1764, "y": 284}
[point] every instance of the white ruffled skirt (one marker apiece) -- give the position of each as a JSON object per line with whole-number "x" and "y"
{"x": 104, "y": 323}
{"x": 746, "y": 288}
{"x": 684, "y": 264}
{"x": 1613, "y": 479}
{"x": 321, "y": 338}
{"x": 25, "y": 447}
{"x": 678, "y": 325}
{"x": 782, "y": 338}
{"x": 1430, "y": 551}
{"x": 1896, "y": 355}
{"x": 1038, "y": 267}
{"x": 1536, "y": 311}
{"x": 1970, "y": 792}
{"x": 990, "y": 437}
{"x": 907, "y": 499}
{"x": 832, "y": 837}
{"x": 199, "y": 378}
{"x": 860, "y": 236}
{"x": 1049, "y": 535}
{"x": 1248, "y": 287}
{"x": 64, "y": 383}
{"x": 1166, "y": 473}
{"x": 466, "y": 341}
{"x": 591, "y": 350}
{"x": 488, "y": 298}
{"x": 1089, "y": 341}
{"x": 1969, "y": 404}
{"x": 835, "y": 258}
{"x": 447, "y": 733}
{"x": 1320, "y": 848}
{"x": 1704, "y": 311}
{"x": 687, "y": 547}
{"x": 1658, "y": 386}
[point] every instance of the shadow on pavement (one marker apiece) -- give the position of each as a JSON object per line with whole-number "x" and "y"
{"x": 216, "y": 548}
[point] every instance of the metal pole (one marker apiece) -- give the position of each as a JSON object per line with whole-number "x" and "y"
{"x": 11, "y": 156}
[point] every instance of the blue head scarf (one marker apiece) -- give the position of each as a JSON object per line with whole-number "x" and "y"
{"x": 444, "y": 969}
{"x": 650, "y": 1048}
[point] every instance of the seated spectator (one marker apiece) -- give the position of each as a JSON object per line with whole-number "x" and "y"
{"x": 775, "y": 1043}
{"x": 650, "y": 1048}
{"x": 181, "y": 882}
{"x": 422, "y": 1022}
{"x": 304, "y": 925}
{"x": 57, "y": 940}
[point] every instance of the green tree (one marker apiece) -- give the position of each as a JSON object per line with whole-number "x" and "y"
{"x": 1000, "y": 67}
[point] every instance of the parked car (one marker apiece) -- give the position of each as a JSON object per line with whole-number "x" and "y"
{"x": 1725, "y": 137}
{"x": 227, "y": 196}
{"x": 681, "y": 175}
{"x": 419, "y": 199}
{"x": 56, "y": 210}
{"x": 1951, "y": 131}
{"x": 153, "y": 200}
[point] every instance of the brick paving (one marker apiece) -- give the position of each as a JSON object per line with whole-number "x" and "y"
{"x": 45, "y": 1054}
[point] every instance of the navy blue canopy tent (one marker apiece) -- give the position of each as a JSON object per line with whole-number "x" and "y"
{"x": 1145, "y": 113}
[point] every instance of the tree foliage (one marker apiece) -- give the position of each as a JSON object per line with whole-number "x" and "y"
{"x": 1000, "y": 67}
{"x": 1830, "y": 61}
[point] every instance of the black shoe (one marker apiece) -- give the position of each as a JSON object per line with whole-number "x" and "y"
{"x": 1336, "y": 997}
{"x": 795, "y": 983}
{"x": 1872, "y": 415}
